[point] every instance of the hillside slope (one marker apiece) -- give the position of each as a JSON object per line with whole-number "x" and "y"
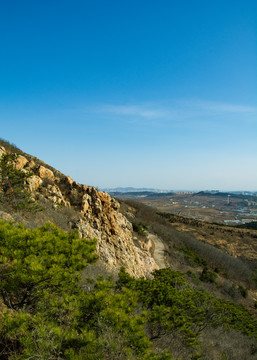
{"x": 200, "y": 305}
{"x": 75, "y": 206}
{"x": 195, "y": 247}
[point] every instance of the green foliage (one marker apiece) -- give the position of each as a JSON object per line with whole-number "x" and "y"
{"x": 101, "y": 324}
{"x": 139, "y": 228}
{"x": 193, "y": 276}
{"x": 190, "y": 254}
{"x": 208, "y": 276}
{"x": 251, "y": 225}
{"x": 237, "y": 317}
{"x": 125, "y": 280}
{"x": 13, "y": 187}
{"x": 173, "y": 306}
{"x": 49, "y": 316}
{"x": 33, "y": 261}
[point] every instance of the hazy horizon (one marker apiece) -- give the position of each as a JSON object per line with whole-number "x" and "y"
{"x": 142, "y": 94}
{"x": 174, "y": 190}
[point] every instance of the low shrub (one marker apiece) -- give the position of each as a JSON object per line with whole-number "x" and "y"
{"x": 139, "y": 228}
{"x": 13, "y": 188}
{"x": 191, "y": 255}
{"x": 243, "y": 291}
{"x": 208, "y": 276}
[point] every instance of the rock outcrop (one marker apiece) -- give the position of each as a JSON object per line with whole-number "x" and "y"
{"x": 21, "y": 162}
{"x": 2, "y": 150}
{"x": 98, "y": 217}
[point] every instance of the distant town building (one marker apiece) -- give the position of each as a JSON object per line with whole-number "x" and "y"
{"x": 184, "y": 192}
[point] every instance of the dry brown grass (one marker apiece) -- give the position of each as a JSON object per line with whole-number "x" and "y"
{"x": 228, "y": 345}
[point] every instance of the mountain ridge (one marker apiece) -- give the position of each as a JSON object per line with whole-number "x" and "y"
{"x": 95, "y": 214}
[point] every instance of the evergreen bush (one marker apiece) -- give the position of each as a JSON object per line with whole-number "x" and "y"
{"x": 13, "y": 188}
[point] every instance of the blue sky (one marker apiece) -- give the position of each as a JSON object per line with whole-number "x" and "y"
{"x": 133, "y": 93}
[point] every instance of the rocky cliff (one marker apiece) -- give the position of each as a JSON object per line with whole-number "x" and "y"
{"x": 97, "y": 215}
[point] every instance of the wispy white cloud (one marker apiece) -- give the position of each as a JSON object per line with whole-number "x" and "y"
{"x": 144, "y": 111}
{"x": 212, "y": 106}
{"x": 176, "y": 108}
{"x": 178, "y": 113}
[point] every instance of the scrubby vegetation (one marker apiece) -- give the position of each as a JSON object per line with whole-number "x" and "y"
{"x": 192, "y": 256}
{"x": 195, "y": 252}
{"x": 48, "y": 314}
{"x": 13, "y": 189}
{"x": 56, "y": 303}
{"x": 251, "y": 225}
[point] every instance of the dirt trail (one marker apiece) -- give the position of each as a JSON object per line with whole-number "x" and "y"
{"x": 159, "y": 251}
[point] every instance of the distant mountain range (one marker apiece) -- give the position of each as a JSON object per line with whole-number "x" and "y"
{"x": 133, "y": 189}
{"x": 165, "y": 191}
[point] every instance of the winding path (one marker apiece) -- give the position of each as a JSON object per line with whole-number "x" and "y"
{"x": 159, "y": 254}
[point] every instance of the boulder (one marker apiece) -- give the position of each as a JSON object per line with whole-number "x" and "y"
{"x": 97, "y": 206}
{"x": 85, "y": 203}
{"x": 53, "y": 193}
{"x": 34, "y": 182}
{"x": 30, "y": 165}
{"x": 69, "y": 180}
{"x": 20, "y": 162}
{"x": 45, "y": 173}
{"x": 114, "y": 204}
{"x": 2, "y": 151}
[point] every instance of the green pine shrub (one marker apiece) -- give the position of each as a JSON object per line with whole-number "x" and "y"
{"x": 47, "y": 313}
{"x": 173, "y": 306}
{"x": 36, "y": 261}
{"x": 13, "y": 188}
